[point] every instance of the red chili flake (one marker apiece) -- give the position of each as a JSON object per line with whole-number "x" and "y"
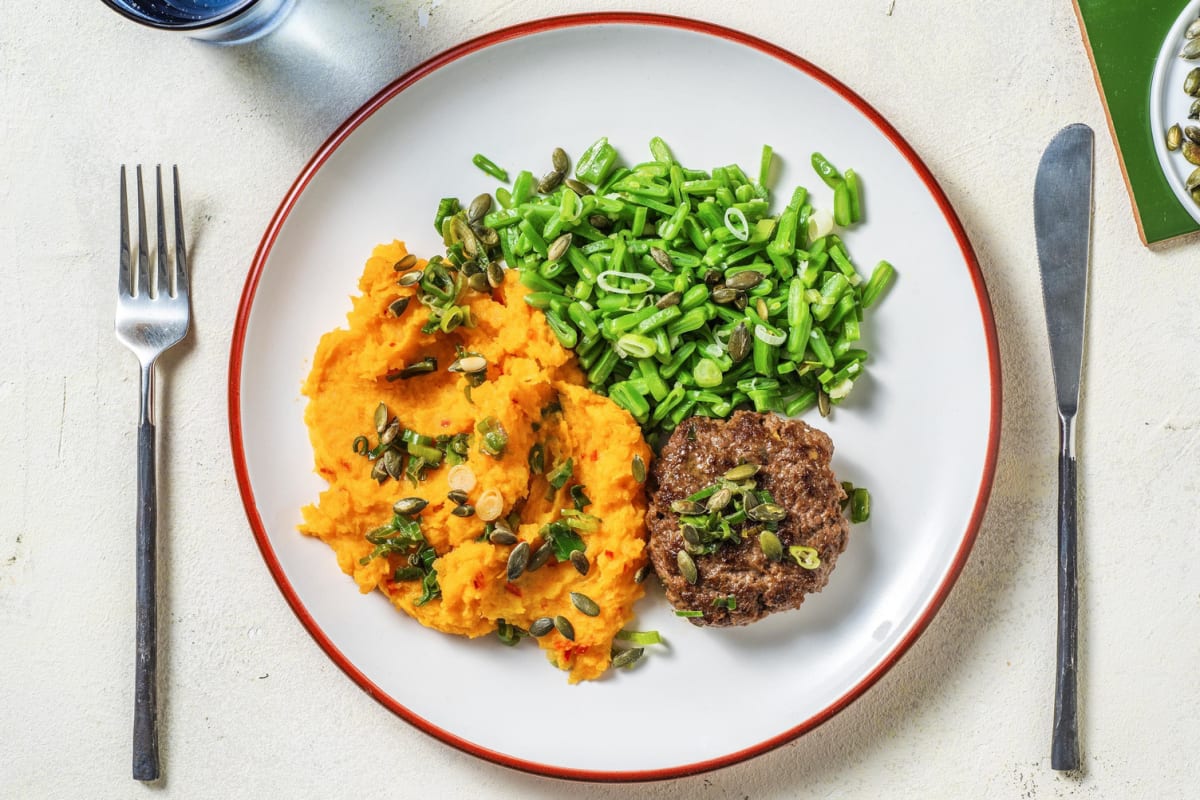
{"x": 595, "y": 455}
{"x": 512, "y": 588}
{"x": 445, "y": 423}
{"x": 478, "y": 581}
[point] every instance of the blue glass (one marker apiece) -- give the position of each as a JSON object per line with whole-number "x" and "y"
{"x": 220, "y": 21}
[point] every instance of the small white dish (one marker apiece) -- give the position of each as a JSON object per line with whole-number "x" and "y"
{"x": 1169, "y": 105}
{"x": 922, "y": 432}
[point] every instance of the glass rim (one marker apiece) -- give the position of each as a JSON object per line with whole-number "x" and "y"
{"x": 123, "y": 9}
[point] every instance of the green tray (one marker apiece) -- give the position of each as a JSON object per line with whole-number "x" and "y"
{"x": 1123, "y": 38}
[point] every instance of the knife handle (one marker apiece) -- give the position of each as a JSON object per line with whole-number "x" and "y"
{"x": 1064, "y": 748}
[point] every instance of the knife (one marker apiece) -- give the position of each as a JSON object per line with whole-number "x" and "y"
{"x": 1062, "y": 220}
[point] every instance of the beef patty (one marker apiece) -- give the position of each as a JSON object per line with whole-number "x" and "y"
{"x": 794, "y": 467}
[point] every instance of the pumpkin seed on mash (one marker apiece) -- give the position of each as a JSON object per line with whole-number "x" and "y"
{"x": 438, "y": 470}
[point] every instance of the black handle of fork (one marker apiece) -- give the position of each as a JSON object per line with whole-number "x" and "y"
{"x": 145, "y": 693}
{"x": 1064, "y": 746}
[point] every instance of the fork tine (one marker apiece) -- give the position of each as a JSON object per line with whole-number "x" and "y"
{"x": 123, "y": 277}
{"x": 181, "y": 259}
{"x": 162, "y": 282}
{"x": 143, "y": 273}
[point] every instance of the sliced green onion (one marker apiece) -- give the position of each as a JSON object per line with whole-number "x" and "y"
{"x": 735, "y": 221}
{"x": 640, "y": 637}
{"x": 605, "y": 281}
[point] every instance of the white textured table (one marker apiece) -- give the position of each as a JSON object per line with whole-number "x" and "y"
{"x": 251, "y": 707}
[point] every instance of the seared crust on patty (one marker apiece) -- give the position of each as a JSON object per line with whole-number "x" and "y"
{"x": 794, "y": 460}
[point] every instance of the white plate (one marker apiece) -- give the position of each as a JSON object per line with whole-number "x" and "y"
{"x": 921, "y": 432}
{"x": 1169, "y": 105}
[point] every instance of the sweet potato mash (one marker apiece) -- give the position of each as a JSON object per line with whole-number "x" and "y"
{"x": 533, "y": 393}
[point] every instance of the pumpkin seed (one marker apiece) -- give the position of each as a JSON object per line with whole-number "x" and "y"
{"x": 719, "y": 499}
{"x": 479, "y": 282}
{"x": 1196, "y": 196}
{"x": 406, "y": 263}
{"x": 558, "y": 157}
{"x": 564, "y": 626}
{"x": 1191, "y": 150}
{"x": 687, "y": 567}
{"x": 1193, "y": 180}
{"x": 1174, "y": 137}
{"x": 457, "y": 496}
{"x": 379, "y": 471}
{"x": 411, "y": 278}
{"x": 486, "y": 236}
{"x": 740, "y": 343}
{"x": 661, "y": 258}
{"x": 1193, "y": 30}
{"x": 771, "y": 546}
{"x": 550, "y": 182}
{"x": 585, "y": 604}
{"x": 397, "y": 306}
{"x": 464, "y": 510}
{"x": 600, "y": 222}
{"x": 642, "y": 573}
{"x": 1191, "y": 50}
{"x": 767, "y": 512}
{"x": 669, "y": 299}
{"x": 1194, "y": 111}
{"x": 724, "y": 295}
{"x": 745, "y": 280}
{"x": 639, "y": 469}
{"x": 558, "y": 248}
{"x": 741, "y": 472}
{"x": 502, "y": 537}
{"x": 578, "y": 187}
{"x": 389, "y": 433}
{"x": 391, "y": 463}
{"x": 381, "y": 417}
{"x": 579, "y": 560}
{"x": 627, "y": 658}
{"x": 540, "y": 627}
{"x": 1192, "y": 132}
{"x": 518, "y": 560}
{"x": 540, "y": 557}
{"x": 407, "y": 506}
{"x": 495, "y": 274}
{"x": 469, "y": 364}
{"x": 687, "y": 507}
{"x": 822, "y": 402}
{"x": 690, "y": 534}
{"x": 1191, "y": 84}
{"x": 479, "y": 208}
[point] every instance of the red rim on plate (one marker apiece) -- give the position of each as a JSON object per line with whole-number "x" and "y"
{"x": 378, "y": 101}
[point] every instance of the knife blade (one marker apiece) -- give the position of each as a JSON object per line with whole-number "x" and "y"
{"x": 1062, "y": 220}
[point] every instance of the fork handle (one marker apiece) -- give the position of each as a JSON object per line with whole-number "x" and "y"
{"x": 1064, "y": 746}
{"x": 145, "y": 693}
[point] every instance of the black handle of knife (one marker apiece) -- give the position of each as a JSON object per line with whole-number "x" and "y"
{"x": 1064, "y": 747}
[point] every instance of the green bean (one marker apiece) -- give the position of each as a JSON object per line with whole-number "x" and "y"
{"x": 854, "y": 189}
{"x": 601, "y": 295}
{"x": 489, "y": 166}
{"x": 764, "y": 165}
{"x": 827, "y": 172}
{"x": 880, "y": 278}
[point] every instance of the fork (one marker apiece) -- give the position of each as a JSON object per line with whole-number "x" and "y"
{"x": 152, "y": 316}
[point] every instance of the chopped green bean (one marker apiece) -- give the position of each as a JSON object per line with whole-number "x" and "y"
{"x": 489, "y": 166}
{"x": 647, "y": 292}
